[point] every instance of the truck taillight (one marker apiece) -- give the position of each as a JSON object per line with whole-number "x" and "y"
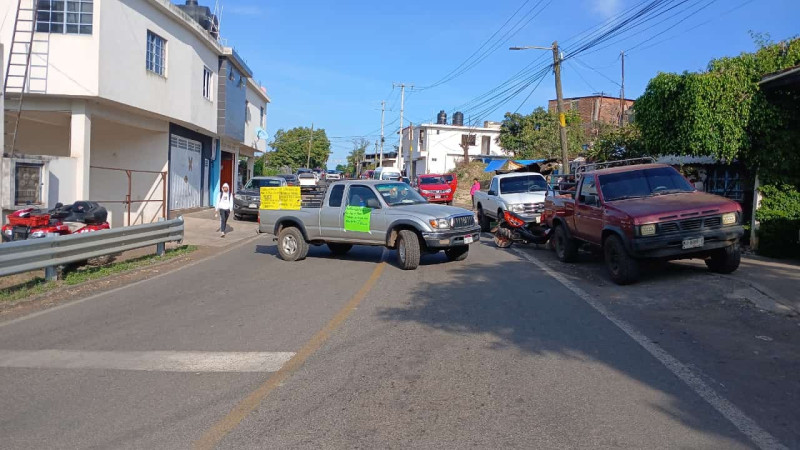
{"x": 512, "y": 219}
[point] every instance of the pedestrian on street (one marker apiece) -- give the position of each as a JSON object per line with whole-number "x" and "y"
{"x": 476, "y": 186}
{"x": 224, "y": 208}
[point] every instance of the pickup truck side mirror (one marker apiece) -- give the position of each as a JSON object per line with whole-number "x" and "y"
{"x": 589, "y": 200}
{"x": 492, "y": 193}
{"x": 373, "y": 203}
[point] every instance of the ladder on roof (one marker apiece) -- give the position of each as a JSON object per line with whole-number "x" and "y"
{"x": 17, "y": 70}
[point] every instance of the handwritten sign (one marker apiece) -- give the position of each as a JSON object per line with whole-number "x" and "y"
{"x": 270, "y": 198}
{"x": 357, "y": 218}
{"x": 290, "y": 197}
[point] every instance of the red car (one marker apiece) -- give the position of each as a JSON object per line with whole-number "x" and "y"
{"x": 452, "y": 180}
{"x": 435, "y": 189}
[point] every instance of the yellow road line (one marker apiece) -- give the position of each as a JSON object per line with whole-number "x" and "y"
{"x": 219, "y": 430}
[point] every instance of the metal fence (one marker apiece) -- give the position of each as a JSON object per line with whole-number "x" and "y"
{"x": 50, "y": 252}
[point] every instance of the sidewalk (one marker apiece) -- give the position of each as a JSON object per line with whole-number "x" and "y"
{"x": 778, "y": 279}
{"x": 202, "y": 229}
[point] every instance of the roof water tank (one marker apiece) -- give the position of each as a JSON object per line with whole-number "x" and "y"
{"x": 441, "y": 118}
{"x": 458, "y": 119}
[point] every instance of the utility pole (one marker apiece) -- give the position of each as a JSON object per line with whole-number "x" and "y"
{"x": 411, "y": 169}
{"x": 562, "y": 125}
{"x": 383, "y": 111}
{"x": 310, "y": 143}
{"x": 402, "y": 105}
{"x": 622, "y": 93}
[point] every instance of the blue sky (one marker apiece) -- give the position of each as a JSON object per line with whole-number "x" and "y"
{"x": 331, "y": 63}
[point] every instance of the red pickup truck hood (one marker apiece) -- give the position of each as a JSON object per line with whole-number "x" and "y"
{"x": 433, "y": 187}
{"x": 674, "y": 206}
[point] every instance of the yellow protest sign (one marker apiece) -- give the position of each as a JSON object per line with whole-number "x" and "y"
{"x": 290, "y": 197}
{"x": 284, "y": 197}
{"x": 357, "y": 218}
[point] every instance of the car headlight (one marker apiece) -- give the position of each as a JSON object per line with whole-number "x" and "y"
{"x": 8, "y": 232}
{"x": 425, "y": 191}
{"x": 647, "y": 230}
{"x": 447, "y": 191}
{"x": 38, "y": 234}
{"x": 439, "y": 223}
{"x": 516, "y": 208}
{"x": 729, "y": 218}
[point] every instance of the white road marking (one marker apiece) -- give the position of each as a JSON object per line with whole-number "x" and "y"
{"x": 153, "y": 361}
{"x": 737, "y": 417}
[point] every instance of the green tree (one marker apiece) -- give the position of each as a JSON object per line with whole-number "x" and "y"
{"x": 614, "y": 143}
{"x": 536, "y": 135}
{"x": 290, "y": 149}
{"x": 341, "y": 168}
{"x": 356, "y": 156}
{"x": 723, "y": 112}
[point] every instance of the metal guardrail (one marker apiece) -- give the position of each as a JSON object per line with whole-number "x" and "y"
{"x": 52, "y": 251}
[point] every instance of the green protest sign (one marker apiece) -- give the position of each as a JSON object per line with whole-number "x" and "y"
{"x": 357, "y": 218}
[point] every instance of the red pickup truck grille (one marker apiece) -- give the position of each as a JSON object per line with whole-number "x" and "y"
{"x": 690, "y": 224}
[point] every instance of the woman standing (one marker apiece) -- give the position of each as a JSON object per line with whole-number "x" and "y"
{"x": 224, "y": 208}
{"x": 476, "y": 186}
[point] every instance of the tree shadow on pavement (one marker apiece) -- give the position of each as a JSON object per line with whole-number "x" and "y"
{"x": 523, "y": 309}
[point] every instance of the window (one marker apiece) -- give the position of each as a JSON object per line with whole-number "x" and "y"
{"x": 27, "y": 184}
{"x": 493, "y": 186}
{"x": 156, "y": 53}
{"x": 643, "y": 183}
{"x": 573, "y": 105}
{"x": 263, "y": 115}
{"x": 467, "y": 139}
{"x": 589, "y": 191}
{"x": 362, "y": 196}
{"x": 207, "y": 83}
{"x": 335, "y": 199}
{"x": 246, "y": 111}
{"x": 522, "y": 184}
{"x": 64, "y": 16}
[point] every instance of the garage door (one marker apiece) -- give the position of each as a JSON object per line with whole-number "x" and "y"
{"x": 185, "y": 173}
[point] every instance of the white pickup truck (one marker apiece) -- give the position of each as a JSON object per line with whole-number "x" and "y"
{"x": 522, "y": 193}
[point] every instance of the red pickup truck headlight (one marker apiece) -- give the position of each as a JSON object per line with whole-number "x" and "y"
{"x": 729, "y": 219}
{"x": 647, "y": 230}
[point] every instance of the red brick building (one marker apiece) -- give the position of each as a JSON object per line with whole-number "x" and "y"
{"x": 595, "y": 108}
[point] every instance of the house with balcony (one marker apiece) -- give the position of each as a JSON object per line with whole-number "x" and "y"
{"x": 121, "y": 105}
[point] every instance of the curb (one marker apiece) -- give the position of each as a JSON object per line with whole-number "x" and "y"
{"x": 782, "y": 305}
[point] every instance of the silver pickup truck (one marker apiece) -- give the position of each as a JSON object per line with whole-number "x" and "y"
{"x": 372, "y": 212}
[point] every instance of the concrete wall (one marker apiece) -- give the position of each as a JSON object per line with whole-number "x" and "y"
{"x": 61, "y": 181}
{"x": 254, "y": 121}
{"x": 179, "y": 93}
{"x": 118, "y": 146}
{"x": 43, "y": 133}
{"x": 232, "y": 96}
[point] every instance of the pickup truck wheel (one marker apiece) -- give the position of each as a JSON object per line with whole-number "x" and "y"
{"x": 457, "y": 253}
{"x": 566, "y": 248}
{"x": 725, "y": 260}
{"x": 483, "y": 221}
{"x": 622, "y": 268}
{"x": 339, "y": 249}
{"x": 291, "y": 244}
{"x": 408, "y": 250}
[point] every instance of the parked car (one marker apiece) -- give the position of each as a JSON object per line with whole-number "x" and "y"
{"x": 522, "y": 193}
{"x": 452, "y": 180}
{"x": 247, "y": 200}
{"x": 307, "y": 179}
{"x": 386, "y": 173}
{"x": 333, "y": 175}
{"x": 371, "y": 212}
{"x": 645, "y": 211}
{"x": 434, "y": 189}
{"x": 291, "y": 179}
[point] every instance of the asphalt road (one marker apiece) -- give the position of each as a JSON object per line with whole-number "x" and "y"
{"x": 247, "y": 351}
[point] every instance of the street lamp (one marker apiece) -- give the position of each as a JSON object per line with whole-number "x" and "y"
{"x": 559, "y": 100}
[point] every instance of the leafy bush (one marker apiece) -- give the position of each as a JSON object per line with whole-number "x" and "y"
{"x": 779, "y": 217}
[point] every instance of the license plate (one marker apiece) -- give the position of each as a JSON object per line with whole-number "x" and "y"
{"x": 438, "y": 197}
{"x": 468, "y": 239}
{"x": 693, "y": 243}
{"x": 253, "y": 205}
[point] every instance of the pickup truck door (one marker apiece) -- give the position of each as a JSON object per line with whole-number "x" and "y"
{"x": 491, "y": 197}
{"x": 330, "y": 215}
{"x": 588, "y": 212}
{"x": 362, "y": 196}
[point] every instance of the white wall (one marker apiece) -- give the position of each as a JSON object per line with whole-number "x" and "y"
{"x": 254, "y": 104}
{"x": 118, "y": 146}
{"x": 179, "y": 94}
{"x": 61, "y": 181}
{"x": 441, "y": 146}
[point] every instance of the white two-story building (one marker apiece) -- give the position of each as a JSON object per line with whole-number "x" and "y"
{"x": 122, "y": 106}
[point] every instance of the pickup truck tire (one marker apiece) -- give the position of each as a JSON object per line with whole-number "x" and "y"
{"x": 292, "y": 246}
{"x": 725, "y": 260}
{"x": 622, "y": 268}
{"x": 457, "y": 253}
{"x": 408, "y": 250}
{"x": 339, "y": 249}
{"x": 483, "y": 221}
{"x": 566, "y": 248}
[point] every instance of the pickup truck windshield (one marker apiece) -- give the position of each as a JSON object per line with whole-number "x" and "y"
{"x": 399, "y": 194}
{"x": 517, "y": 185}
{"x": 259, "y": 183}
{"x": 643, "y": 183}
{"x": 431, "y": 180}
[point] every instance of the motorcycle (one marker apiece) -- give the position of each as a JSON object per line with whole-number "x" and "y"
{"x": 512, "y": 228}
{"x": 31, "y": 223}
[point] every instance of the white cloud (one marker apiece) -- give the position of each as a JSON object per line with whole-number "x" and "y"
{"x": 245, "y": 10}
{"x": 607, "y": 8}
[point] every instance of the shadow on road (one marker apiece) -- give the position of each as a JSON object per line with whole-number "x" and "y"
{"x": 524, "y": 309}
{"x": 363, "y": 253}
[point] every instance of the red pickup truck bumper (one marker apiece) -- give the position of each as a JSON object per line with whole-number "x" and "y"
{"x": 671, "y": 246}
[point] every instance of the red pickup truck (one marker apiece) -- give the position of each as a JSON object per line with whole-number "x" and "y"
{"x": 644, "y": 211}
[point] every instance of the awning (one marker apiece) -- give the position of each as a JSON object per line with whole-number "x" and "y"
{"x": 506, "y": 164}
